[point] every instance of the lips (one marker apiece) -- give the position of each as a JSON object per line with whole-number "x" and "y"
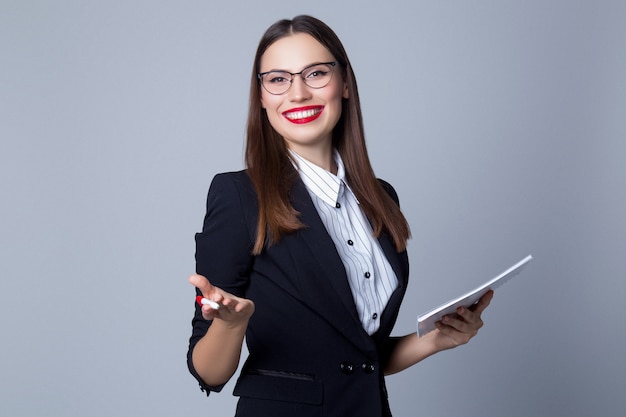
{"x": 303, "y": 115}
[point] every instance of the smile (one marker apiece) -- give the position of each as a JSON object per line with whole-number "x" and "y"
{"x": 303, "y": 115}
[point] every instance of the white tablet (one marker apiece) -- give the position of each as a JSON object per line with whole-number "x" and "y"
{"x": 426, "y": 322}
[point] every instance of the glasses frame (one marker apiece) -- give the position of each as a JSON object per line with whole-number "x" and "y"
{"x": 332, "y": 64}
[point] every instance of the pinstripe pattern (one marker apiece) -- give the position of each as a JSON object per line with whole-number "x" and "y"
{"x": 370, "y": 275}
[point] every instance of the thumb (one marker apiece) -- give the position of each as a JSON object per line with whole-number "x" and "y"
{"x": 484, "y": 301}
{"x": 201, "y": 283}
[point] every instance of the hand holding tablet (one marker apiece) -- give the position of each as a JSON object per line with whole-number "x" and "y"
{"x": 426, "y": 322}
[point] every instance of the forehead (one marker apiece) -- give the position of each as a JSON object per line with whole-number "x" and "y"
{"x": 294, "y": 52}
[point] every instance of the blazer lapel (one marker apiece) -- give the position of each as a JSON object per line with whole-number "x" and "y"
{"x": 329, "y": 293}
{"x": 400, "y": 265}
{"x": 396, "y": 259}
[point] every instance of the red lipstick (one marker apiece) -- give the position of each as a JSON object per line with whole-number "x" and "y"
{"x": 302, "y": 115}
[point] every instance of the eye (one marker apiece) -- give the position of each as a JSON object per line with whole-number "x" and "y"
{"x": 317, "y": 73}
{"x": 276, "y": 78}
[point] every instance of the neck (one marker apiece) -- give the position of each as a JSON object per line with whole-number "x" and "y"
{"x": 322, "y": 157}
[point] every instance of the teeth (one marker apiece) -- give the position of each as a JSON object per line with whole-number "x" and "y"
{"x": 302, "y": 114}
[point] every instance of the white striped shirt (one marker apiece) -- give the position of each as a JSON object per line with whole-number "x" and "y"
{"x": 371, "y": 278}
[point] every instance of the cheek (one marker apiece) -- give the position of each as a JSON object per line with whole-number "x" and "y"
{"x": 269, "y": 102}
{"x": 336, "y": 103}
{"x": 339, "y": 92}
{"x": 270, "y": 113}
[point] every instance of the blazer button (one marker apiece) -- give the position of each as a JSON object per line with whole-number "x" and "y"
{"x": 368, "y": 367}
{"x": 347, "y": 368}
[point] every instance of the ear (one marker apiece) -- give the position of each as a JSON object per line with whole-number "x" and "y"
{"x": 346, "y": 92}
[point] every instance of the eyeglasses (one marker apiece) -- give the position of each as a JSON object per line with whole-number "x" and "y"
{"x": 314, "y": 76}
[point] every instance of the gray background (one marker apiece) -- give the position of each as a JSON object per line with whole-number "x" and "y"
{"x": 500, "y": 123}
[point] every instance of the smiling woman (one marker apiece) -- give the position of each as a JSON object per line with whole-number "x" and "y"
{"x": 301, "y": 103}
{"x": 304, "y": 252}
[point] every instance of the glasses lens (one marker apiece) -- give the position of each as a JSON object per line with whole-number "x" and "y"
{"x": 318, "y": 76}
{"x": 276, "y": 82}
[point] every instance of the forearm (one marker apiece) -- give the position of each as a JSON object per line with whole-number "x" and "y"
{"x": 452, "y": 331}
{"x": 216, "y": 356}
{"x": 409, "y": 350}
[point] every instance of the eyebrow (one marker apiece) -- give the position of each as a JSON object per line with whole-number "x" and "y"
{"x": 303, "y": 68}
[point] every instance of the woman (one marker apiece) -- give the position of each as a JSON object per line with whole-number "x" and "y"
{"x": 305, "y": 250}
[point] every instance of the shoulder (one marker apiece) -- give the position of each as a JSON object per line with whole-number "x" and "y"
{"x": 238, "y": 178}
{"x": 231, "y": 209}
{"x": 389, "y": 190}
{"x": 231, "y": 194}
{"x": 232, "y": 183}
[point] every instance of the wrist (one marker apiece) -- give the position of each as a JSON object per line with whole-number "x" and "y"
{"x": 431, "y": 343}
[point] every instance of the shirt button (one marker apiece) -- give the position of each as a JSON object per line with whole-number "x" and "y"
{"x": 367, "y": 274}
{"x": 350, "y": 242}
{"x": 338, "y": 205}
{"x": 374, "y": 316}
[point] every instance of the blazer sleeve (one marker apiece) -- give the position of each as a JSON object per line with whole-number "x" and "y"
{"x": 224, "y": 247}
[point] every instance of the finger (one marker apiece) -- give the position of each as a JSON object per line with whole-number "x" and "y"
{"x": 244, "y": 305}
{"x": 462, "y": 324}
{"x": 208, "y": 313}
{"x": 233, "y": 304}
{"x": 484, "y": 301}
{"x": 201, "y": 283}
{"x": 238, "y": 305}
{"x": 453, "y": 335}
{"x": 459, "y": 331}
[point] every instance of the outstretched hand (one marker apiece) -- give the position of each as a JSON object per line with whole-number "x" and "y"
{"x": 457, "y": 329}
{"x": 234, "y": 310}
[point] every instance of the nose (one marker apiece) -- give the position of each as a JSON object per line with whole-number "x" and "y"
{"x": 299, "y": 91}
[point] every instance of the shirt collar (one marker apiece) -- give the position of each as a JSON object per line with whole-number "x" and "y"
{"x": 320, "y": 182}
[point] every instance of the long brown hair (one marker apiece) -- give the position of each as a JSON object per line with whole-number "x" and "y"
{"x": 271, "y": 170}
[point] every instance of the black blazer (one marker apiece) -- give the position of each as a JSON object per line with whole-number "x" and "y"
{"x": 308, "y": 352}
